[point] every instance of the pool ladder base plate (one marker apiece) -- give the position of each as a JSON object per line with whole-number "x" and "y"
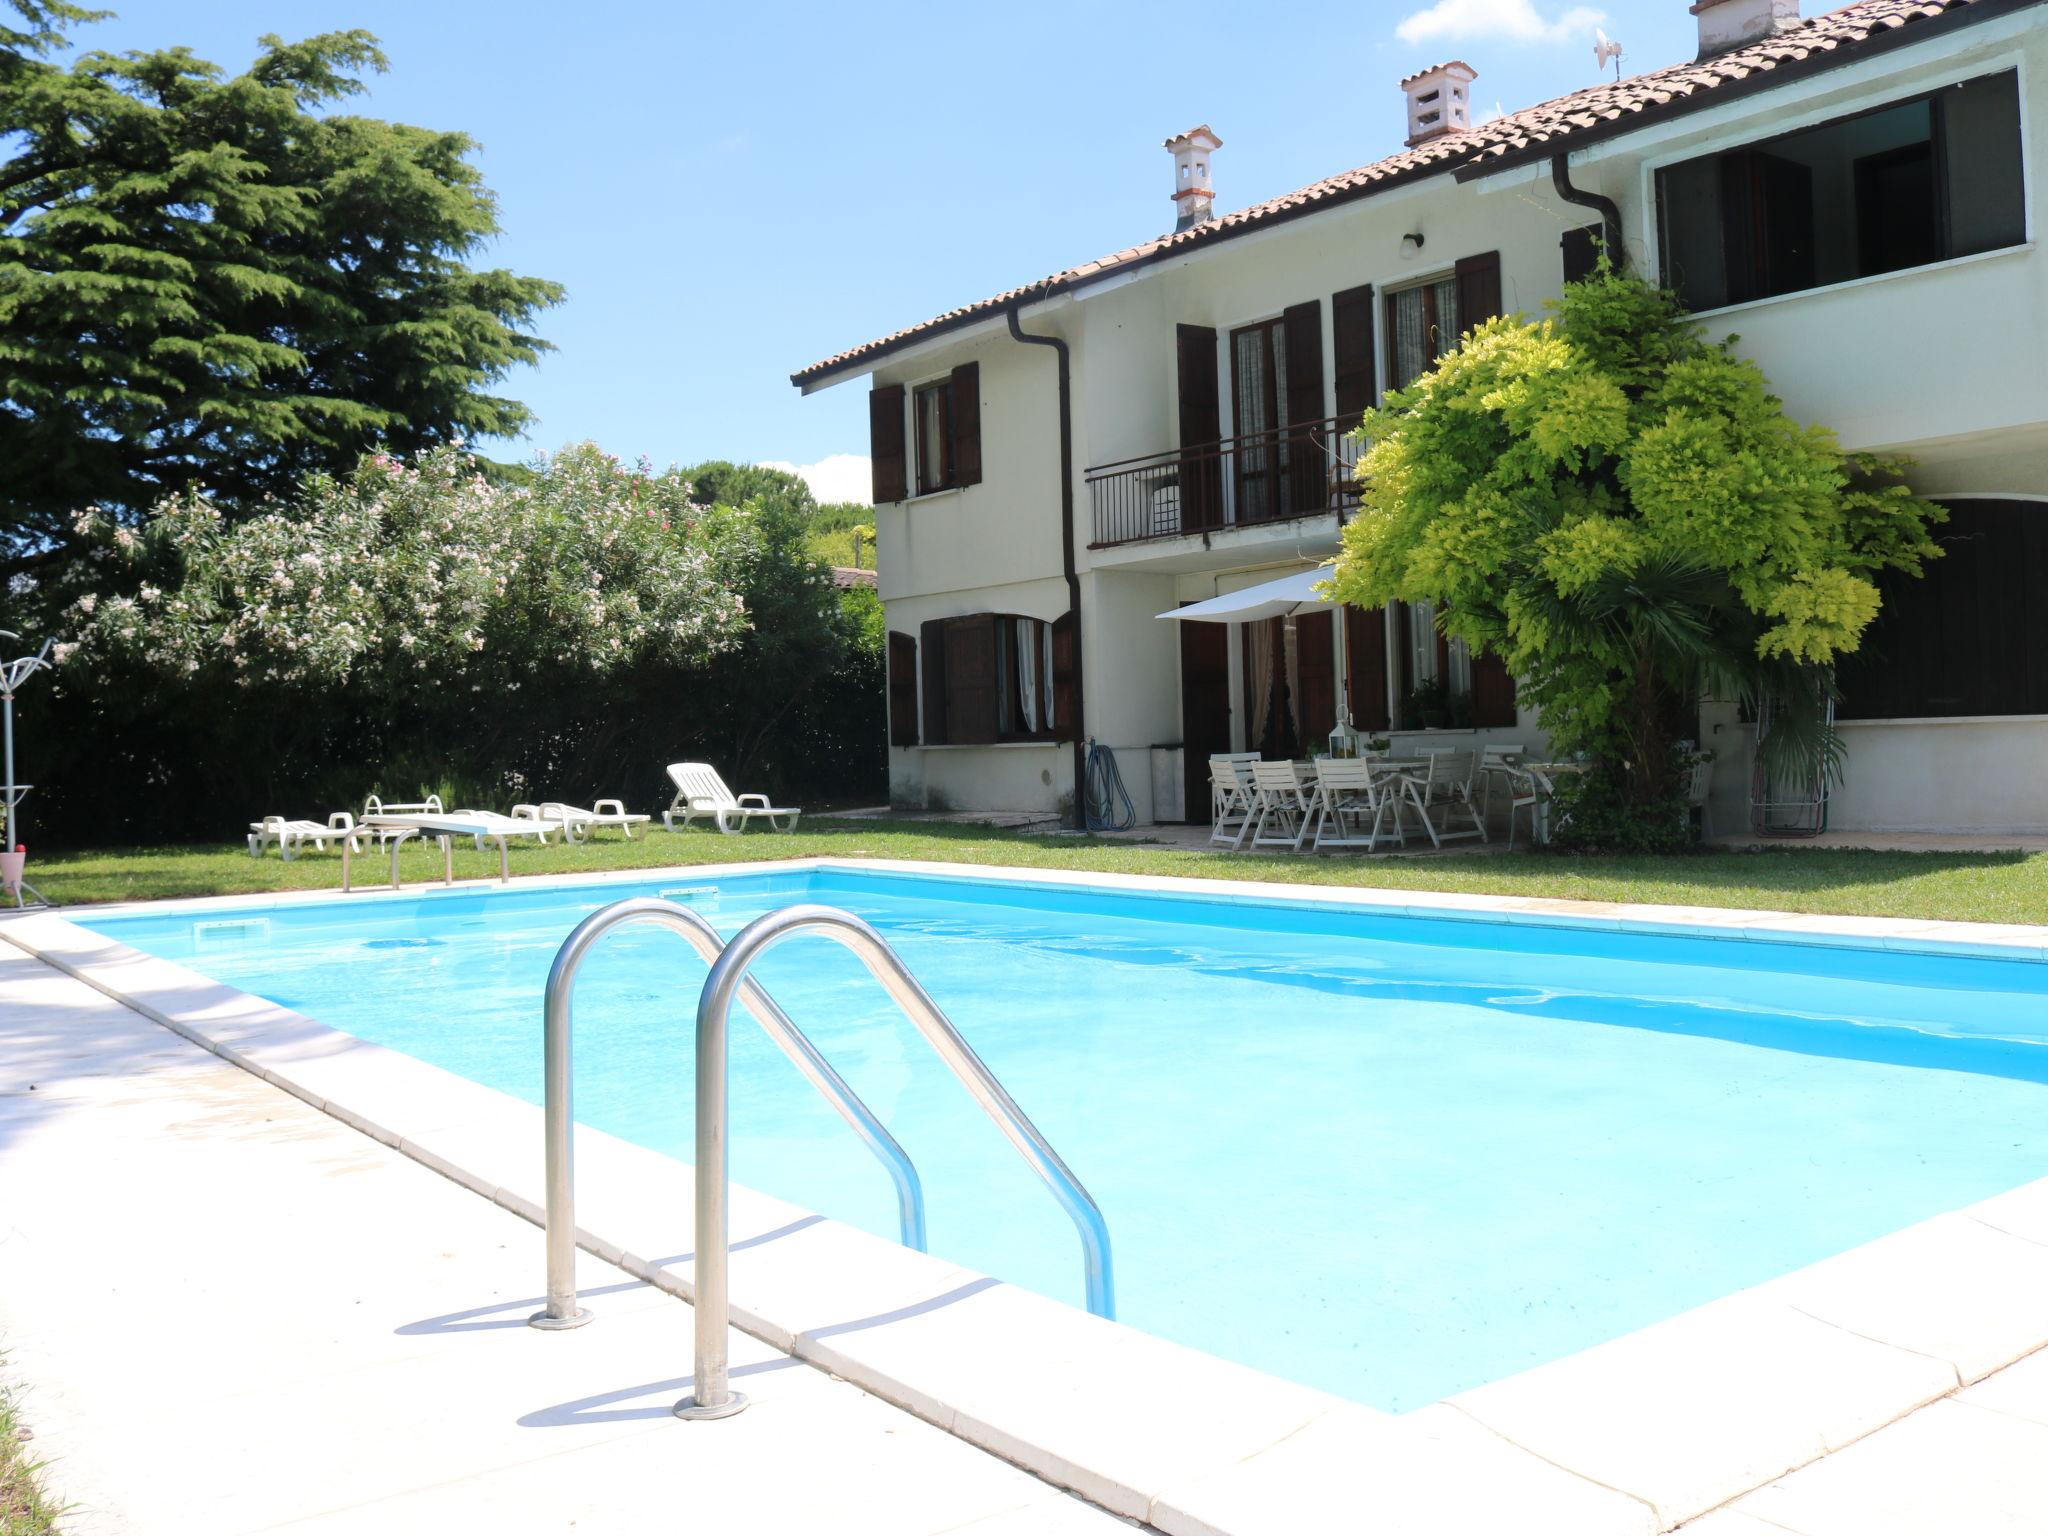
{"x": 575, "y": 1319}
{"x": 690, "y": 1408}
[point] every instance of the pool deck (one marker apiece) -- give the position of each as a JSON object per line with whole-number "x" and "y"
{"x": 1893, "y": 1389}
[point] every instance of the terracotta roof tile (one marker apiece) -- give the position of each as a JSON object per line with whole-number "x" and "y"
{"x": 1613, "y": 106}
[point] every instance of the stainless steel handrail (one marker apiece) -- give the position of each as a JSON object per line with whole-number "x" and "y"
{"x": 561, "y": 1310}
{"x": 714, "y": 1397}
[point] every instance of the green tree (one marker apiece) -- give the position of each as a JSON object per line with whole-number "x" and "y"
{"x": 218, "y": 284}
{"x": 1622, "y": 512}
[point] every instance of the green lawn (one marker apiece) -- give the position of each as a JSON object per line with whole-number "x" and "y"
{"x": 1978, "y": 887}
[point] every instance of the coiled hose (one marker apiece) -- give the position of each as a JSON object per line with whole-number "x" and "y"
{"x": 1104, "y": 793}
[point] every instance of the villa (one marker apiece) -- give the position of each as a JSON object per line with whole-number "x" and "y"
{"x": 1059, "y": 465}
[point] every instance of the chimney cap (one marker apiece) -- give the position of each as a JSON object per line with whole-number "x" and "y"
{"x": 1447, "y": 67}
{"x": 1194, "y": 138}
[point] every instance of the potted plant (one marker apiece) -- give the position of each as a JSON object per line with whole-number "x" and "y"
{"x": 11, "y": 866}
{"x": 1426, "y": 708}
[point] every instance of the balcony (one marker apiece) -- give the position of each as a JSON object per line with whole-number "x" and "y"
{"x": 1264, "y": 477}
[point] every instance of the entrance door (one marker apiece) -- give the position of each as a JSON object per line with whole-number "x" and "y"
{"x": 1204, "y": 707}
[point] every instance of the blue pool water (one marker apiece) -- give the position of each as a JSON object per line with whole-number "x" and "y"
{"x": 1391, "y": 1157}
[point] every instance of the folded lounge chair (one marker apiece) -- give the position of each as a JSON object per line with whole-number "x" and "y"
{"x": 577, "y": 823}
{"x": 701, "y": 792}
{"x": 291, "y": 834}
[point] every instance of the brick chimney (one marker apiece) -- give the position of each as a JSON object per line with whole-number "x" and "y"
{"x": 1439, "y": 101}
{"x": 1193, "y": 196}
{"x": 1726, "y": 24}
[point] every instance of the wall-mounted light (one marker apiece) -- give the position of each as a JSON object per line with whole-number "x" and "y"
{"x": 1411, "y": 246}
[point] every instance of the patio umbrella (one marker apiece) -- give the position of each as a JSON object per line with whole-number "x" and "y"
{"x": 1268, "y": 600}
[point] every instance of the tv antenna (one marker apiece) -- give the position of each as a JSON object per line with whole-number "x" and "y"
{"x": 1606, "y": 49}
{"x": 12, "y": 675}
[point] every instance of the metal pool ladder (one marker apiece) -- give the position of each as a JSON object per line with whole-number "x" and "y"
{"x": 713, "y": 1397}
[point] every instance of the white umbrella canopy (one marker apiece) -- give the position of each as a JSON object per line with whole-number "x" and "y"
{"x": 1268, "y": 600}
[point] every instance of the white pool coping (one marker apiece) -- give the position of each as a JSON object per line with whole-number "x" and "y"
{"x": 1632, "y": 1436}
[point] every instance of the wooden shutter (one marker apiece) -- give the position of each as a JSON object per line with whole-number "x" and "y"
{"x": 1365, "y": 682}
{"x": 1493, "y": 691}
{"x": 1478, "y": 290}
{"x": 1201, "y": 424}
{"x": 971, "y": 679}
{"x": 967, "y": 424}
{"x": 932, "y": 645}
{"x": 1315, "y": 670}
{"x": 1351, "y": 331}
{"x": 902, "y": 690}
{"x": 885, "y": 443}
{"x": 1581, "y": 252}
{"x": 1308, "y": 467}
{"x": 1066, "y": 676}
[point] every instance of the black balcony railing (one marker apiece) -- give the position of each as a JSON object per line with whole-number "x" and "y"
{"x": 1262, "y": 477}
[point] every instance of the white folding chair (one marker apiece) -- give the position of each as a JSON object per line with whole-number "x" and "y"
{"x": 1442, "y": 792}
{"x": 1285, "y": 804}
{"x": 1355, "y": 799}
{"x": 1527, "y": 789}
{"x": 1231, "y": 797}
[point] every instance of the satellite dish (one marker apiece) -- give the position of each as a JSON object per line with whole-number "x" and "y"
{"x": 1604, "y": 49}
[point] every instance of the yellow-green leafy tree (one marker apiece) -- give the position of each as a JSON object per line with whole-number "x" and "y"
{"x": 1623, "y": 513}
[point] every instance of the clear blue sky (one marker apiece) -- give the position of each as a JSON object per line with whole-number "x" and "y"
{"x": 730, "y": 192}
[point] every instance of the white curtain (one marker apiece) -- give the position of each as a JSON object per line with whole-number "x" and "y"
{"x": 1045, "y": 670}
{"x": 1421, "y": 644}
{"x": 1027, "y": 673}
{"x": 1258, "y": 650}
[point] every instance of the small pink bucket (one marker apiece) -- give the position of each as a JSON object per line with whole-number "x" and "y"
{"x": 11, "y": 866}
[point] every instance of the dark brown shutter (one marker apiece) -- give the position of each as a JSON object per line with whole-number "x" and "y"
{"x": 1581, "y": 252}
{"x": 967, "y": 424}
{"x": 971, "y": 679}
{"x": 1493, "y": 691}
{"x": 1315, "y": 670}
{"x": 1365, "y": 645}
{"x": 932, "y": 645}
{"x": 1351, "y": 331}
{"x": 902, "y": 690}
{"x": 1066, "y": 677}
{"x": 1201, "y": 424}
{"x": 1308, "y": 467}
{"x": 885, "y": 443}
{"x": 1478, "y": 291}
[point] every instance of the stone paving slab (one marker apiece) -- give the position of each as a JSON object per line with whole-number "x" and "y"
{"x": 228, "y": 1313}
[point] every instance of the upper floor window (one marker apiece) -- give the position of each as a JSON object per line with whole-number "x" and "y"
{"x": 1901, "y": 186}
{"x": 944, "y": 444}
{"x": 934, "y": 415}
{"x": 1422, "y": 323}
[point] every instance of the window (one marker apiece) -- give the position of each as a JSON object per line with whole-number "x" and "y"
{"x": 1421, "y": 324}
{"x": 1916, "y": 182}
{"x": 992, "y": 677}
{"x": 944, "y": 445}
{"x": 934, "y": 418}
{"x": 1258, "y": 376}
{"x": 1970, "y": 635}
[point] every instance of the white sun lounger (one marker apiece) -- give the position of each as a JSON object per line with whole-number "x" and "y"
{"x": 292, "y": 834}
{"x": 701, "y": 792}
{"x": 577, "y": 823}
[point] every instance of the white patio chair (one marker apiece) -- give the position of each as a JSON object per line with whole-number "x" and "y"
{"x": 1699, "y": 787}
{"x": 1355, "y": 801}
{"x": 701, "y": 792}
{"x": 291, "y": 835}
{"x": 1232, "y": 797}
{"x": 1444, "y": 791}
{"x": 1285, "y": 804}
{"x": 1497, "y": 759}
{"x": 1529, "y": 789}
{"x": 577, "y": 823}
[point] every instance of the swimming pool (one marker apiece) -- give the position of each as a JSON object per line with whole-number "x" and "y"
{"x": 1389, "y": 1156}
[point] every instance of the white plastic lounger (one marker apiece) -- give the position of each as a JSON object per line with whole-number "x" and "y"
{"x": 577, "y": 823}
{"x": 701, "y": 792}
{"x": 291, "y": 835}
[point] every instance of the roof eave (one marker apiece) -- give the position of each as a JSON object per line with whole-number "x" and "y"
{"x": 1817, "y": 62}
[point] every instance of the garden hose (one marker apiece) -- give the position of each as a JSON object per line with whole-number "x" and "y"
{"x": 1105, "y": 803}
